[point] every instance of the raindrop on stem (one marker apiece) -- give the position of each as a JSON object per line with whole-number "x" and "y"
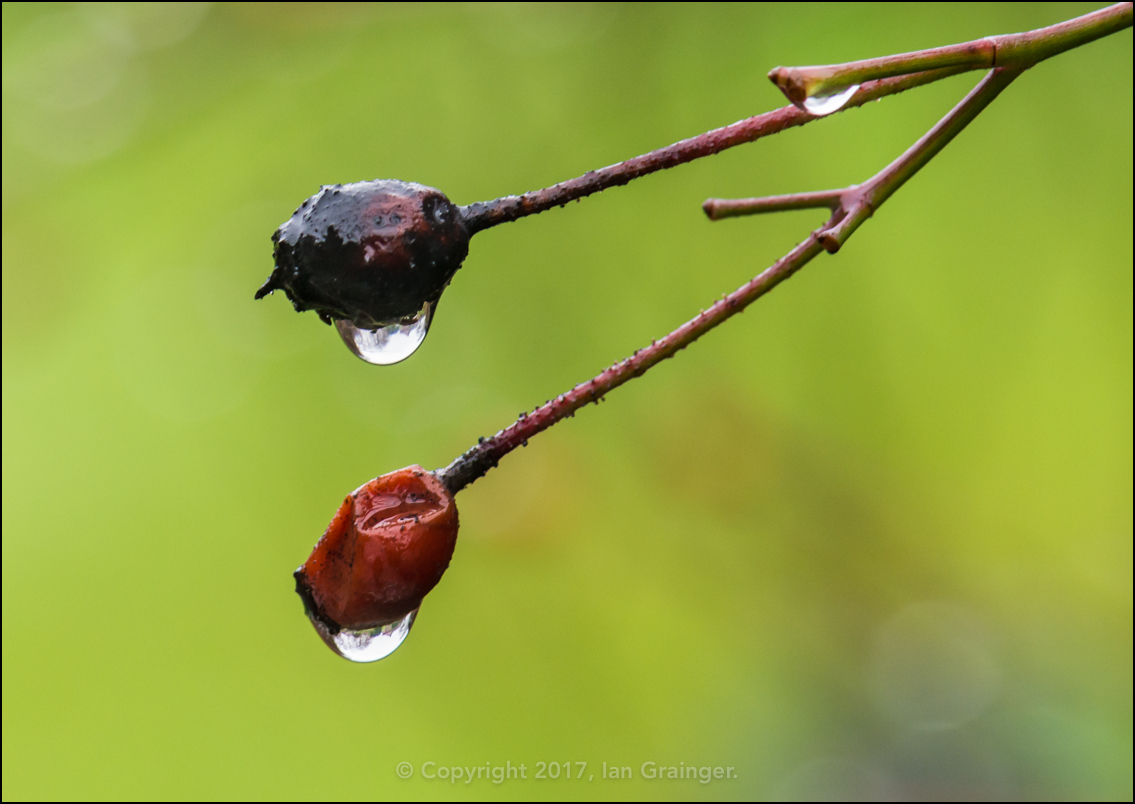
{"x": 821, "y": 105}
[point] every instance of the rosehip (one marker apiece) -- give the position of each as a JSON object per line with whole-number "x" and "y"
{"x": 387, "y": 547}
{"x": 373, "y": 253}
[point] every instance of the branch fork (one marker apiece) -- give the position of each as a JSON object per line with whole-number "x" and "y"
{"x": 849, "y": 208}
{"x": 853, "y": 205}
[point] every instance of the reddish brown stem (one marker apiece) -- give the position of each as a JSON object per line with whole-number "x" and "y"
{"x": 854, "y": 205}
{"x": 851, "y": 207}
{"x": 1016, "y": 51}
{"x": 719, "y": 208}
{"x": 484, "y": 214}
{"x": 1010, "y": 50}
{"x": 478, "y": 460}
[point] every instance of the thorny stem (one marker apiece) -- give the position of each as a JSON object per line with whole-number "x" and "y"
{"x": 485, "y": 214}
{"x": 850, "y": 207}
{"x": 1009, "y": 50}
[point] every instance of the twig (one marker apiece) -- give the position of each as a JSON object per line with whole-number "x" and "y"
{"x": 484, "y": 214}
{"x": 850, "y": 207}
{"x": 719, "y": 208}
{"x": 873, "y": 79}
{"x": 853, "y": 205}
{"x": 1008, "y": 50}
{"x": 477, "y": 461}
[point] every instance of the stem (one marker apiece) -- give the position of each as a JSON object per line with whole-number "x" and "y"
{"x": 485, "y": 214}
{"x": 833, "y": 238}
{"x": 1034, "y": 46}
{"x": 851, "y": 207}
{"x": 478, "y": 460}
{"x": 862, "y": 201}
{"x": 876, "y": 77}
{"x": 884, "y": 184}
{"x": 719, "y": 208}
{"x": 1008, "y": 50}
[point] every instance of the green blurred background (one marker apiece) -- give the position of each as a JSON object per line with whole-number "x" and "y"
{"x": 871, "y": 539}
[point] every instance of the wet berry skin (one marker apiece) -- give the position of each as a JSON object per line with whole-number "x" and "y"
{"x": 373, "y": 252}
{"x": 387, "y": 547}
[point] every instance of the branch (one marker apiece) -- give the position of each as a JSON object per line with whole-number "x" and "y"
{"x": 799, "y": 84}
{"x": 850, "y": 208}
{"x": 853, "y": 205}
{"x": 364, "y": 609}
{"x": 719, "y": 208}
{"x": 485, "y": 214}
{"x": 487, "y": 453}
{"x": 816, "y": 92}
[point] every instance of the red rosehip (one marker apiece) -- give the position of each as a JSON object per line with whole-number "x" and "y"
{"x": 387, "y": 547}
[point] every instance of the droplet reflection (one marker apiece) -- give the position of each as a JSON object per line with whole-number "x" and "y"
{"x": 821, "y": 105}
{"x": 371, "y": 644}
{"x": 390, "y": 344}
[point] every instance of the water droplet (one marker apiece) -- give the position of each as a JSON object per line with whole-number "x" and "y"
{"x": 371, "y": 644}
{"x": 821, "y": 105}
{"x": 390, "y": 344}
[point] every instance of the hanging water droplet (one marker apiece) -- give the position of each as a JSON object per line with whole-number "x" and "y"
{"x": 371, "y": 644}
{"x": 821, "y": 105}
{"x": 389, "y": 344}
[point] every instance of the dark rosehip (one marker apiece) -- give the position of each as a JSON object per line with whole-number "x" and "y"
{"x": 373, "y": 253}
{"x": 387, "y": 547}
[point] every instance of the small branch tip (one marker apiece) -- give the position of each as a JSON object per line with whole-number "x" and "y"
{"x": 789, "y": 81}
